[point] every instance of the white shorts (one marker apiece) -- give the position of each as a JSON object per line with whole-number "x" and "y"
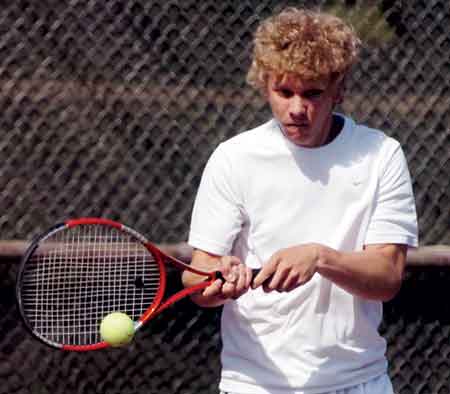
{"x": 379, "y": 385}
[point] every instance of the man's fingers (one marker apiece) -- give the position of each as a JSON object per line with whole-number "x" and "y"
{"x": 237, "y": 282}
{"x": 242, "y": 277}
{"x": 228, "y": 290}
{"x": 249, "y": 277}
{"x": 291, "y": 282}
{"x": 266, "y": 272}
{"x": 276, "y": 281}
{"x": 227, "y": 267}
{"x": 213, "y": 289}
{"x": 263, "y": 277}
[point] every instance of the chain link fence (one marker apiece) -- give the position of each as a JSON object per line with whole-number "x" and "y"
{"x": 112, "y": 107}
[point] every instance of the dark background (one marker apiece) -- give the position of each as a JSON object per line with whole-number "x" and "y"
{"x": 111, "y": 108}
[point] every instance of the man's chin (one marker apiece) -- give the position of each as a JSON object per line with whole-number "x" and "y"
{"x": 297, "y": 135}
{"x": 303, "y": 140}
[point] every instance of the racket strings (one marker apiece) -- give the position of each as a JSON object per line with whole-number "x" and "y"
{"x": 79, "y": 275}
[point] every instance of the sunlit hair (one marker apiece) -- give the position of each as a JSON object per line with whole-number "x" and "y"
{"x": 310, "y": 44}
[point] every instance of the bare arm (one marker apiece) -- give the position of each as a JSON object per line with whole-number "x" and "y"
{"x": 238, "y": 278}
{"x": 375, "y": 273}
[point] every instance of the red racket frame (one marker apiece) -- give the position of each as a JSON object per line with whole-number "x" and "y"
{"x": 157, "y": 306}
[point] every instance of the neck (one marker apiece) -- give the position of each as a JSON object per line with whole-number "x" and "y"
{"x": 336, "y": 125}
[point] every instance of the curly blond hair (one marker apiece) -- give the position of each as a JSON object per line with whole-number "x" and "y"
{"x": 310, "y": 44}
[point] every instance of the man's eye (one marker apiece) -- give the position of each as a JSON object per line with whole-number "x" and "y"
{"x": 311, "y": 94}
{"x": 285, "y": 92}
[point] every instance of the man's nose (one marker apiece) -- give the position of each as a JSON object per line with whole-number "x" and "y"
{"x": 297, "y": 107}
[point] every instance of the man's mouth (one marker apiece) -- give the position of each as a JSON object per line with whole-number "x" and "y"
{"x": 298, "y": 125}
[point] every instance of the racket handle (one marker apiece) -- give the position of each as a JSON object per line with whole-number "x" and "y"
{"x": 255, "y": 271}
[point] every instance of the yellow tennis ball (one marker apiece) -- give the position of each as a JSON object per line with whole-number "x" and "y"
{"x": 117, "y": 329}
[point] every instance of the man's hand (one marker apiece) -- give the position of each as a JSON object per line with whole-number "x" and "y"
{"x": 288, "y": 268}
{"x": 237, "y": 278}
{"x": 374, "y": 273}
{"x": 236, "y": 281}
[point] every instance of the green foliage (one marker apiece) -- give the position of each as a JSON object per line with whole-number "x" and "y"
{"x": 366, "y": 18}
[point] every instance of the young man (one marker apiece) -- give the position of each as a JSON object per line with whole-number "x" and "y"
{"x": 323, "y": 205}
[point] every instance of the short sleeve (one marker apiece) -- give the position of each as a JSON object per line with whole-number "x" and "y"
{"x": 394, "y": 218}
{"x": 217, "y": 215}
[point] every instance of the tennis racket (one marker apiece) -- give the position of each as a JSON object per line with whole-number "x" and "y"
{"x": 79, "y": 271}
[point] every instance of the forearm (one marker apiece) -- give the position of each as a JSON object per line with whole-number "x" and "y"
{"x": 375, "y": 273}
{"x": 208, "y": 301}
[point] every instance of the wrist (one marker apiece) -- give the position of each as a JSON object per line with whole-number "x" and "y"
{"x": 208, "y": 301}
{"x": 326, "y": 257}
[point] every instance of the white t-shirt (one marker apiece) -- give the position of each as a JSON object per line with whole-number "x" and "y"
{"x": 260, "y": 193}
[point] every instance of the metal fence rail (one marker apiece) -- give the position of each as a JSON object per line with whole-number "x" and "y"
{"x": 111, "y": 108}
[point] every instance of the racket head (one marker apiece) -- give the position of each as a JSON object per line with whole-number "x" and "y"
{"x": 78, "y": 272}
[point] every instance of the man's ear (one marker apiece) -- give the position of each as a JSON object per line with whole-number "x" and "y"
{"x": 339, "y": 98}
